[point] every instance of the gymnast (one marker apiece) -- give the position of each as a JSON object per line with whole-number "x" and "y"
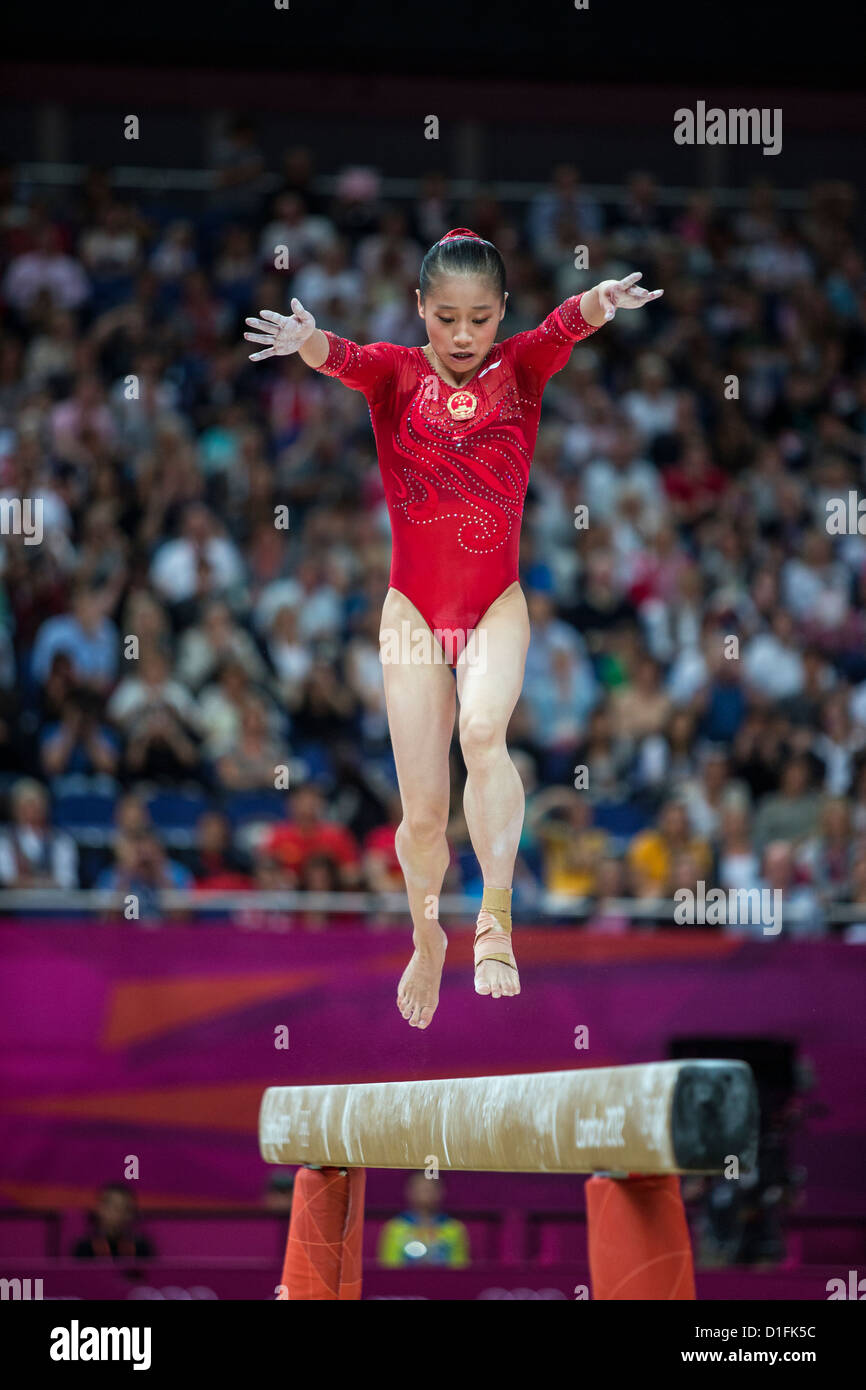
{"x": 455, "y": 424}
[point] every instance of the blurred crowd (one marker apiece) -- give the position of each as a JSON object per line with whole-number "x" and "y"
{"x": 172, "y": 659}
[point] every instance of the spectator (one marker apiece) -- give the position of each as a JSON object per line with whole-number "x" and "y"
{"x": 32, "y": 855}
{"x": 667, "y": 759}
{"x": 204, "y": 647}
{"x": 220, "y": 707}
{"x": 707, "y": 795}
{"x": 86, "y": 635}
{"x": 112, "y": 1227}
{"x": 132, "y": 814}
{"x": 329, "y": 286}
{"x": 320, "y": 874}
{"x": 239, "y": 165}
{"x": 773, "y": 663}
{"x": 423, "y": 1234}
{"x": 199, "y": 564}
{"x": 790, "y": 814}
{"x": 826, "y": 858}
{"x": 652, "y": 853}
{"x": 651, "y": 405}
{"x": 80, "y": 742}
{"x": 159, "y": 720}
{"x": 291, "y": 658}
{"x": 278, "y": 1194}
{"x": 572, "y": 847}
{"x": 607, "y": 756}
{"x": 738, "y": 865}
{"x": 302, "y": 234}
{"x": 253, "y": 761}
{"x": 839, "y": 742}
{"x": 801, "y": 910}
{"x": 563, "y": 200}
{"x": 45, "y": 268}
{"x": 82, "y": 427}
{"x": 308, "y": 834}
{"x": 326, "y": 706}
{"x": 641, "y": 708}
{"x": 611, "y": 889}
{"x": 143, "y": 871}
{"x": 559, "y": 709}
{"x": 216, "y": 862}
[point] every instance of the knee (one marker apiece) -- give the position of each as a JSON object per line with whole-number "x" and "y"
{"x": 422, "y": 827}
{"x": 481, "y": 739}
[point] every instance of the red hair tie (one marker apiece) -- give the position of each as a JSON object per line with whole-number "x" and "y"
{"x": 459, "y": 231}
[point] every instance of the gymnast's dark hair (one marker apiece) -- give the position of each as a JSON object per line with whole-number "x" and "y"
{"x": 463, "y": 253}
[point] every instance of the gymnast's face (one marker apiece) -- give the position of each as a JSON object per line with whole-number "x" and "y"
{"x": 462, "y": 314}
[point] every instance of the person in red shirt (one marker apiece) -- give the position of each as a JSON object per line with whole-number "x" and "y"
{"x": 695, "y": 485}
{"x": 217, "y": 864}
{"x": 309, "y": 835}
{"x": 455, "y": 423}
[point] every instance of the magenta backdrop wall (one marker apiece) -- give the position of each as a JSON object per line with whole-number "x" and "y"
{"x": 159, "y": 1042}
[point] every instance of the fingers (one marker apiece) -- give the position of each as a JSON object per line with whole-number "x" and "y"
{"x": 637, "y": 298}
{"x": 271, "y": 316}
{"x": 627, "y": 294}
{"x": 259, "y": 356}
{"x": 260, "y": 325}
{"x": 267, "y": 338}
{"x": 300, "y": 312}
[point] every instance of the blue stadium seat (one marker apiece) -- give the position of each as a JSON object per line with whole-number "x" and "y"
{"x": 176, "y": 810}
{"x": 243, "y": 807}
{"x": 175, "y": 815}
{"x": 620, "y": 818}
{"x": 88, "y": 816}
{"x": 317, "y": 760}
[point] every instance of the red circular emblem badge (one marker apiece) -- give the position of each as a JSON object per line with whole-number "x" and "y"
{"x": 462, "y": 405}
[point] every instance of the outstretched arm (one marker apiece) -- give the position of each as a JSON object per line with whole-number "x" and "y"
{"x": 282, "y": 334}
{"x": 599, "y": 304}
{"x": 369, "y": 369}
{"x": 541, "y": 351}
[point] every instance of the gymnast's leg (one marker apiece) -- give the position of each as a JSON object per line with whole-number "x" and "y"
{"x": 489, "y": 687}
{"x": 421, "y": 701}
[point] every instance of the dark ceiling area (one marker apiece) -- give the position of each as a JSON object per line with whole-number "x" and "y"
{"x": 735, "y": 44}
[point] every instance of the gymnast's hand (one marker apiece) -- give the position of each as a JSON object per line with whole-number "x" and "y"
{"x": 624, "y": 294}
{"x": 282, "y": 333}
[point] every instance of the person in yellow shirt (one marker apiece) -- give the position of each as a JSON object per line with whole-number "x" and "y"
{"x": 654, "y": 851}
{"x": 572, "y": 847}
{"x": 423, "y": 1234}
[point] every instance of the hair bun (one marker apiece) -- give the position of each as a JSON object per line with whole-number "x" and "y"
{"x": 459, "y": 231}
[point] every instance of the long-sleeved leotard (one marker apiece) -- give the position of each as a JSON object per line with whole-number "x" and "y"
{"x": 455, "y": 487}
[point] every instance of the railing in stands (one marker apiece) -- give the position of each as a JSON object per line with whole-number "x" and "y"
{"x": 132, "y": 176}
{"x": 201, "y": 902}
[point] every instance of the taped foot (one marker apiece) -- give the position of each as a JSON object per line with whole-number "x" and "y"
{"x": 495, "y": 967}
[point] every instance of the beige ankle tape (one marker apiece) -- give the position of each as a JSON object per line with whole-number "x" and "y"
{"x": 496, "y": 902}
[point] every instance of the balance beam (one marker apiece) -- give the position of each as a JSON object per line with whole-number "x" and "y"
{"x": 690, "y": 1116}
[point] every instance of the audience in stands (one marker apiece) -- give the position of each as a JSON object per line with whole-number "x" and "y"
{"x": 699, "y": 646}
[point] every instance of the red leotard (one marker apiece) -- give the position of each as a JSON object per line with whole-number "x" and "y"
{"x": 455, "y": 488}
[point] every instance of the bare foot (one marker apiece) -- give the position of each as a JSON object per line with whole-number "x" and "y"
{"x": 418, "y": 990}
